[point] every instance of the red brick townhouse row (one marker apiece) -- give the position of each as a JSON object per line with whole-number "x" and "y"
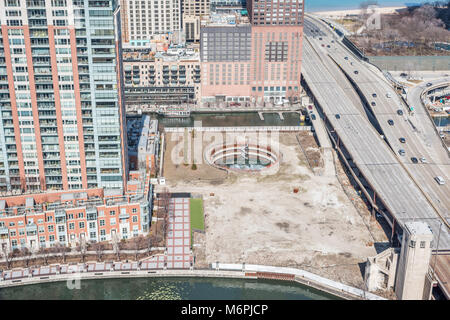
{"x": 66, "y": 217}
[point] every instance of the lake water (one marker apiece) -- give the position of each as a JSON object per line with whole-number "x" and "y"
{"x": 330, "y": 5}
{"x": 167, "y": 289}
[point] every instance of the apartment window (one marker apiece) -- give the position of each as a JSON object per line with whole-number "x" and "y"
{"x": 71, "y": 226}
{"x": 12, "y": 233}
{"x": 135, "y": 219}
{"x": 134, "y": 210}
{"x": 50, "y": 229}
{"x": 92, "y": 225}
{"x": 412, "y": 244}
{"x": 61, "y": 229}
{"x": 112, "y": 213}
{"x": 102, "y": 223}
{"x": 422, "y": 244}
{"x": 51, "y": 238}
{"x": 81, "y": 224}
{"x": 112, "y": 221}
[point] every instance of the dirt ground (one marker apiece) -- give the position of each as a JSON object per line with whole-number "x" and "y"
{"x": 258, "y": 218}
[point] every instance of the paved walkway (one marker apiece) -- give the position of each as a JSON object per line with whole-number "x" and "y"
{"x": 179, "y": 254}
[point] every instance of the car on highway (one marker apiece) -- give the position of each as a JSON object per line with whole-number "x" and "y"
{"x": 402, "y": 140}
{"x": 313, "y": 117}
{"x": 374, "y": 95}
{"x": 440, "y": 180}
{"x": 401, "y": 152}
{"x": 320, "y": 38}
{"x": 414, "y": 160}
{"x": 388, "y": 95}
{"x": 429, "y": 84}
{"x": 346, "y": 58}
{"x": 373, "y": 104}
{"x": 235, "y": 104}
{"x": 328, "y": 46}
{"x": 310, "y": 107}
{"x": 423, "y": 160}
{"x": 391, "y": 122}
{"x": 332, "y": 41}
{"x": 323, "y": 45}
{"x": 399, "y": 112}
{"x": 404, "y": 75}
{"x": 338, "y": 116}
{"x": 356, "y": 72}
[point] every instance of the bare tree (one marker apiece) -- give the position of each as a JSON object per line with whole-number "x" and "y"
{"x": 27, "y": 254}
{"x": 82, "y": 250}
{"x": 45, "y": 254}
{"x": 150, "y": 242}
{"x": 164, "y": 208}
{"x": 63, "y": 250}
{"x": 9, "y": 255}
{"x": 99, "y": 249}
{"x": 138, "y": 243}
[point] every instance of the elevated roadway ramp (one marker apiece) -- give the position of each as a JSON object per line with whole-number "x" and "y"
{"x": 377, "y": 163}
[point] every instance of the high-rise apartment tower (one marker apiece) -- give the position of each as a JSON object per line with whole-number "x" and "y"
{"x": 62, "y": 114}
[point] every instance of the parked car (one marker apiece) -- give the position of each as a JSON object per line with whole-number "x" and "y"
{"x": 401, "y": 152}
{"x": 338, "y": 116}
{"x": 374, "y": 95}
{"x": 310, "y": 107}
{"x": 440, "y": 180}
{"x": 402, "y": 140}
{"x": 399, "y": 112}
{"x": 313, "y": 117}
{"x": 346, "y": 58}
{"x": 391, "y": 122}
{"x": 388, "y": 95}
{"x": 423, "y": 160}
{"x": 328, "y": 46}
{"x": 403, "y": 74}
{"x": 356, "y": 72}
{"x": 414, "y": 160}
{"x": 429, "y": 84}
{"x": 373, "y": 104}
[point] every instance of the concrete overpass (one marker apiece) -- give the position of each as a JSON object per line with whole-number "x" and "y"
{"x": 365, "y": 135}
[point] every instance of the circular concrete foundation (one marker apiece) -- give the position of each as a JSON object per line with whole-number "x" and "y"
{"x": 241, "y": 157}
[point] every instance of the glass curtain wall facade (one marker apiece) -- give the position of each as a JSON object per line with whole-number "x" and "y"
{"x": 60, "y": 96}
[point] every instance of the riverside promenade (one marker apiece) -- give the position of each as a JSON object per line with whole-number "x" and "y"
{"x": 150, "y": 268}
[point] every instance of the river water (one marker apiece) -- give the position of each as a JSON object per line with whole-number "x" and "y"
{"x": 167, "y": 289}
{"x": 237, "y": 119}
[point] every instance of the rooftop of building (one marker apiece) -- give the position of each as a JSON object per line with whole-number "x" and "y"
{"x": 142, "y": 133}
{"x": 169, "y": 54}
{"x": 418, "y": 227}
{"x": 89, "y": 198}
{"x": 226, "y": 20}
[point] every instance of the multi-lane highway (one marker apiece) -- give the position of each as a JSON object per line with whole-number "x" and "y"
{"x": 407, "y": 189}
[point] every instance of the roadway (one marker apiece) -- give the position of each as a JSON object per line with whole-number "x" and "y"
{"x": 386, "y": 172}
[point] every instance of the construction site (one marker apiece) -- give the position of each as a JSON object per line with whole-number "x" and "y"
{"x": 301, "y": 212}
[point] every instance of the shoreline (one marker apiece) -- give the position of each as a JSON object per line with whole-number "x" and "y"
{"x": 343, "y": 13}
{"x": 240, "y": 271}
{"x": 174, "y": 274}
